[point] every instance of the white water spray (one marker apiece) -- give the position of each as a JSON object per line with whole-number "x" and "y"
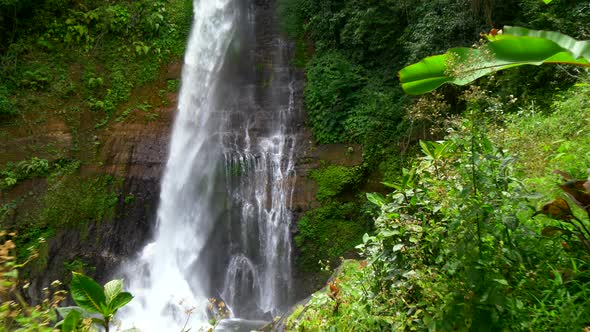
{"x": 161, "y": 279}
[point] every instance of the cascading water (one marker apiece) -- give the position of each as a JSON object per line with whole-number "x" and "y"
{"x": 223, "y": 227}
{"x": 161, "y": 279}
{"x": 259, "y": 177}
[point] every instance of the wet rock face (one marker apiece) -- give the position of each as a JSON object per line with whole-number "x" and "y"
{"x": 134, "y": 152}
{"x": 311, "y": 157}
{"x": 258, "y": 99}
{"x": 103, "y": 245}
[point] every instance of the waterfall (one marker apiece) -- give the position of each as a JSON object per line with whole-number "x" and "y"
{"x": 161, "y": 279}
{"x": 260, "y": 177}
{"x": 223, "y": 221}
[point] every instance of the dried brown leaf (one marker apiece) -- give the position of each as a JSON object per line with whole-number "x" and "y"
{"x": 557, "y": 209}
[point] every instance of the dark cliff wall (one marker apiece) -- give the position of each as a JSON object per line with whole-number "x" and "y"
{"x": 136, "y": 154}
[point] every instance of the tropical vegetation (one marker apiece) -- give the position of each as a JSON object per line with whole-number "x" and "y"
{"x": 482, "y": 223}
{"x": 468, "y": 212}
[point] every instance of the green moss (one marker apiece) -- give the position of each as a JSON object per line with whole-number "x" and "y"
{"x": 70, "y": 202}
{"x": 333, "y": 180}
{"x": 327, "y": 232}
{"x": 76, "y": 200}
{"x": 172, "y": 85}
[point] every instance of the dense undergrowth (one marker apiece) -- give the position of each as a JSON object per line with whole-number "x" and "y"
{"x": 463, "y": 242}
{"x": 351, "y": 53}
{"x": 85, "y": 55}
{"x": 458, "y": 245}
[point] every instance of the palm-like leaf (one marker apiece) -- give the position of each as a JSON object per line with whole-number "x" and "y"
{"x": 516, "y": 47}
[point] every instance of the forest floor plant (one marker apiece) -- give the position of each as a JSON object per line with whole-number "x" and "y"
{"x": 96, "y": 308}
{"x": 456, "y": 248}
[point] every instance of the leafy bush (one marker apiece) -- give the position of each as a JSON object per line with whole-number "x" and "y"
{"x": 330, "y": 93}
{"x": 455, "y": 248}
{"x": 26, "y": 169}
{"x": 7, "y": 106}
{"x": 15, "y": 313}
{"x": 327, "y": 232}
{"x": 18, "y": 315}
{"x": 377, "y": 116}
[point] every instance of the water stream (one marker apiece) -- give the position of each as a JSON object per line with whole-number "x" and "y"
{"x": 223, "y": 222}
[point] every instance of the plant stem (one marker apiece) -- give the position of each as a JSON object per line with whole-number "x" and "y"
{"x": 583, "y": 226}
{"x": 474, "y": 178}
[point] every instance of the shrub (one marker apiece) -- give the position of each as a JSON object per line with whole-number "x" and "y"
{"x": 330, "y": 93}
{"x": 7, "y": 106}
{"x": 327, "y": 232}
{"x": 26, "y": 169}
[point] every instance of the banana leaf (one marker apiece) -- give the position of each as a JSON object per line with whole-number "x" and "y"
{"x": 515, "y": 47}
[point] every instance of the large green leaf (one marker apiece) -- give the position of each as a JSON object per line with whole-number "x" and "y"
{"x": 112, "y": 289}
{"x": 65, "y": 311}
{"x": 88, "y": 294}
{"x": 515, "y": 47}
{"x": 119, "y": 301}
{"x": 376, "y": 199}
{"x": 71, "y": 321}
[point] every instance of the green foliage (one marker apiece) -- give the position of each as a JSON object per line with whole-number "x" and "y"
{"x": 15, "y": 313}
{"x": 456, "y": 248}
{"x": 329, "y": 94}
{"x": 565, "y": 16}
{"x": 88, "y": 294}
{"x": 367, "y": 43}
{"x": 23, "y": 170}
{"x": 7, "y": 106}
{"x": 376, "y": 118}
{"x": 515, "y": 47}
{"x": 547, "y": 139}
{"x": 70, "y": 201}
{"x": 327, "y": 232}
{"x": 327, "y": 312}
{"x": 352, "y": 93}
{"x": 333, "y": 180}
{"x": 122, "y": 44}
{"x": 91, "y": 298}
